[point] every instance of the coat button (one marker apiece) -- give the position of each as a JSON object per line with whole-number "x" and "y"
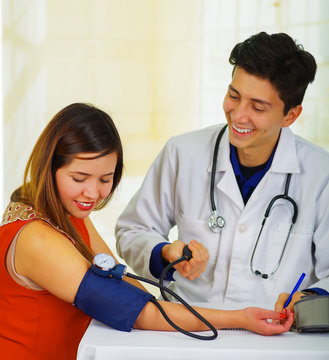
{"x": 242, "y": 228}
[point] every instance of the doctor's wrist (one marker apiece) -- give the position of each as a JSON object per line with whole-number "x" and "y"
{"x": 165, "y": 253}
{"x": 308, "y": 292}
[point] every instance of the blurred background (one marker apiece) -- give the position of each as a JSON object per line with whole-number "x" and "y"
{"x": 159, "y": 67}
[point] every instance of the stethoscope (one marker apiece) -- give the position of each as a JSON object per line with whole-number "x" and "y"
{"x": 217, "y": 222}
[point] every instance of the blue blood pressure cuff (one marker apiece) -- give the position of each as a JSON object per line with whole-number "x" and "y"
{"x": 111, "y": 301}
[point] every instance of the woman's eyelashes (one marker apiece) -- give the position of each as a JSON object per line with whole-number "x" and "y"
{"x": 78, "y": 180}
{"x": 103, "y": 181}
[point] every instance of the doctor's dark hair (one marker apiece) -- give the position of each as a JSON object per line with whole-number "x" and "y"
{"x": 279, "y": 59}
{"x": 78, "y": 128}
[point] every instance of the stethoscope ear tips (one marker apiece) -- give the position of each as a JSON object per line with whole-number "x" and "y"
{"x": 258, "y": 273}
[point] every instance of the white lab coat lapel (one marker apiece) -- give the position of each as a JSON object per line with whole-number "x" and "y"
{"x": 227, "y": 183}
{"x": 285, "y": 158}
{"x": 285, "y": 161}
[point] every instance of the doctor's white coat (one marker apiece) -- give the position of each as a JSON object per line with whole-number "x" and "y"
{"x": 176, "y": 191}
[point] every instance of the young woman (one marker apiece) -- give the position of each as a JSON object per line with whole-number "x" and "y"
{"x": 48, "y": 242}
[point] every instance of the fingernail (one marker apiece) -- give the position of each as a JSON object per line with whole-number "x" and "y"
{"x": 283, "y": 315}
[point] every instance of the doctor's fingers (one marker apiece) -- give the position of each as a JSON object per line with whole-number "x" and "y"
{"x": 282, "y": 298}
{"x": 196, "y": 274}
{"x": 194, "y": 268}
{"x": 198, "y": 264}
{"x": 183, "y": 268}
{"x": 176, "y": 250}
{"x": 191, "y": 269}
{"x": 296, "y": 297}
{"x": 199, "y": 251}
{"x": 279, "y": 305}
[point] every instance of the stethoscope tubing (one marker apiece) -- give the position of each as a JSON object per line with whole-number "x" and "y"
{"x": 213, "y": 169}
{"x": 284, "y": 196}
{"x": 217, "y": 222}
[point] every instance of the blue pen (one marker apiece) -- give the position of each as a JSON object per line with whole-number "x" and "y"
{"x": 294, "y": 289}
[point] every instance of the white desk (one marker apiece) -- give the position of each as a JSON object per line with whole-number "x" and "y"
{"x": 101, "y": 343}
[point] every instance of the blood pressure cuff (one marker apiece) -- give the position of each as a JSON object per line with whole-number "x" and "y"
{"x": 111, "y": 301}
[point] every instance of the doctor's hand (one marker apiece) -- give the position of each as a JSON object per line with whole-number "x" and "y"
{"x": 282, "y": 298}
{"x": 193, "y": 268}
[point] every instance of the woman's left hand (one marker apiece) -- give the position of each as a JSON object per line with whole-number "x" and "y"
{"x": 267, "y": 322}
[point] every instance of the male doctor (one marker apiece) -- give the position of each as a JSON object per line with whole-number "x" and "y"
{"x": 239, "y": 260}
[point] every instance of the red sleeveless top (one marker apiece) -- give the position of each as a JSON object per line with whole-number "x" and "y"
{"x": 36, "y": 325}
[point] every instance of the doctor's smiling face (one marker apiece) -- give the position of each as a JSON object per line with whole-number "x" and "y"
{"x": 255, "y": 116}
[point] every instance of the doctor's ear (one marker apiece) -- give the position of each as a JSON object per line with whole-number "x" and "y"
{"x": 292, "y": 115}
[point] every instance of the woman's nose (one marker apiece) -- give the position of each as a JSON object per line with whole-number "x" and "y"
{"x": 91, "y": 191}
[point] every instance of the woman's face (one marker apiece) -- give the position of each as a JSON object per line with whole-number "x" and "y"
{"x": 85, "y": 182}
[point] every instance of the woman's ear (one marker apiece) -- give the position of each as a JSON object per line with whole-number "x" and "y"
{"x": 292, "y": 115}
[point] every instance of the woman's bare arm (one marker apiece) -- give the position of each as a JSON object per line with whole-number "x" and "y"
{"x": 254, "y": 319}
{"x": 99, "y": 246}
{"x": 49, "y": 259}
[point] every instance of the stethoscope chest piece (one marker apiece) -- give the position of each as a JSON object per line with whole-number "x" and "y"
{"x": 216, "y": 222}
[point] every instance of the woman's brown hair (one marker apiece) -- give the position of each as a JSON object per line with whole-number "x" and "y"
{"x": 78, "y": 128}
